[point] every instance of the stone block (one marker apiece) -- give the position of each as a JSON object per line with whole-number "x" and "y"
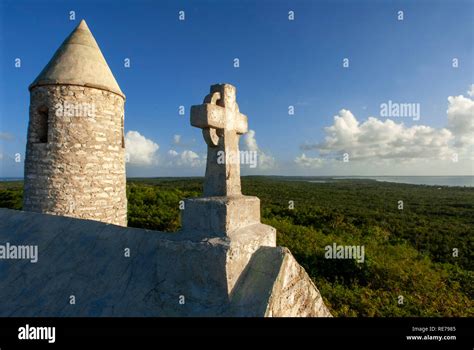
{"x": 220, "y": 216}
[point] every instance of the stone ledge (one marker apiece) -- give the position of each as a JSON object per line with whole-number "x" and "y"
{"x": 243, "y": 275}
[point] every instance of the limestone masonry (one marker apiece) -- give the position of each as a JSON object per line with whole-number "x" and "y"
{"x": 75, "y": 153}
{"x": 224, "y": 261}
{"x": 167, "y": 274}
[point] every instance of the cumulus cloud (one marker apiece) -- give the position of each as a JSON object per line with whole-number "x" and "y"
{"x": 386, "y": 140}
{"x": 309, "y": 162}
{"x": 461, "y": 119}
{"x": 186, "y": 158}
{"x": 172, "y": 153}
{"x": 264, "y": 161}
{"x": 144, "y": 152}
{"x": 250, "y": 141}
{"x": 470, "y": 92}
{"x": 141, "y": 151}
{"x": 383, "y": 139}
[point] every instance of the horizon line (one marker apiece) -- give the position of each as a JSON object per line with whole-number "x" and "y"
{"x": 325, "y": 176}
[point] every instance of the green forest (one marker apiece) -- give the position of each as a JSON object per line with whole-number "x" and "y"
{"x": 419, "y": 240}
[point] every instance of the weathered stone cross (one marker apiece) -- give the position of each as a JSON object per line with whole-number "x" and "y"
{"x": 222, "y": 210}
{"x": 222, "y": 125}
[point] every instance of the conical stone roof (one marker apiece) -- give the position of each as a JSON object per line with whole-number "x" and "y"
{"x": 78, "y": 61}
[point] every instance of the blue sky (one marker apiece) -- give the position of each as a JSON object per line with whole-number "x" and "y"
{"x": 282, "y": 63}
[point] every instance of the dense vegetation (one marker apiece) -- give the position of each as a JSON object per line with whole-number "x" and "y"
{"x": 408, "y": 252}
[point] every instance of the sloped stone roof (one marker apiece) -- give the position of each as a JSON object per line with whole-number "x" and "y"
{"x": 79, "y": 61}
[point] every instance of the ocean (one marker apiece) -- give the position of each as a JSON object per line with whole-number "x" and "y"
{"x": 463, "y": 181}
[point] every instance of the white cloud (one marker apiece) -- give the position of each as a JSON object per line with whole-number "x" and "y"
{"x": 308, "y": 162}
{"x": 141, "y": 151}
{"x": 144, "y": 152}
{"x": 470, "y": 92}
{"x": 264, "y": 161}
{"x": 190, "y": 158}
{"x": 376, "y": 139}
{"x": 389, "y": 146}
{"x": 172, "y": 153}
{"x": 461, "y": 119}
{"x": 186, "y": 158}
{"x": 250, "y": 141}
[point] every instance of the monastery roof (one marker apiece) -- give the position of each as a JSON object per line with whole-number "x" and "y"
{"x": 79, "y": 61}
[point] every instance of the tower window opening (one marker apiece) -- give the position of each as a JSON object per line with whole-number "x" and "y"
{"x": 42, "y": 125}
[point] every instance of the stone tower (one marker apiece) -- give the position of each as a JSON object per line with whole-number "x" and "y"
{"x": 75, "y": 152}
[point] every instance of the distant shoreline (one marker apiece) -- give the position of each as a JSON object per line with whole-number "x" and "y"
{"x": 451, "y": 181}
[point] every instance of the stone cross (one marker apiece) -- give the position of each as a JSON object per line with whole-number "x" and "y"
{"x": 221, "y": 124}
{"x": 222, "y": 210}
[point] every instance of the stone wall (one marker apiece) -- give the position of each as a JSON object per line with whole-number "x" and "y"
{"x": 80, "y": 170}
{"x": 124, "y": 271}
